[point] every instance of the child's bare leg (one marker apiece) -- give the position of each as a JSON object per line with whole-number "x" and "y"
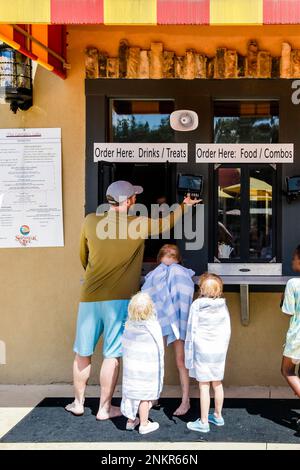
{"x": 219, "y": 398}
{"x": 184, "y": 378}
{"x": 288, "y": 370}
{"x": 144, "y": 412}
{"x": 132, "y": 424}
{"x": 204, "y": 400}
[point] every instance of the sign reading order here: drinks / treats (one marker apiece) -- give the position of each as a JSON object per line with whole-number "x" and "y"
{"x": 30, "y": 188}
{"x": 146, "y": 153}
{"x": 244, "y": 153}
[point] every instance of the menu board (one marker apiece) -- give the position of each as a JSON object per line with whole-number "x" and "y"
{"x": 30, "y": 188}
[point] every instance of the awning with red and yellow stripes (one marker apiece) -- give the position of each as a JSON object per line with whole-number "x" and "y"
{"x": 220, "y": 12}
{"x": 37, "y": 27}
{"x": 46, "y": 44}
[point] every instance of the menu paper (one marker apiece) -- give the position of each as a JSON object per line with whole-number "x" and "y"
{"x": 143, "y": 153}
{"x": 31, "y": 212}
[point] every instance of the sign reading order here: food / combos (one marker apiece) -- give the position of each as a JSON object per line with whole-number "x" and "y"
{"x": 244, "y": 153}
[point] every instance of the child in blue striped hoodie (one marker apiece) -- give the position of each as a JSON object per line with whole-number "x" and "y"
{"x": 171, "y": 288}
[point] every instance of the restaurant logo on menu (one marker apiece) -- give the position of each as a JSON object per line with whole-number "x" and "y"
{"x": 24, "y": 239}
{"x": 25, "y": 230}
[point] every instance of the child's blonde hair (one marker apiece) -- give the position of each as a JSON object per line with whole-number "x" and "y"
{"x": 210, "y": 285}
{"x": 172, "y": 251}
{"x": 141, "y": 307}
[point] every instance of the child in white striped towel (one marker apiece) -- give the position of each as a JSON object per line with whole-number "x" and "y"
{"x": 206, "y": 346}
{"x": 143, "y": 363}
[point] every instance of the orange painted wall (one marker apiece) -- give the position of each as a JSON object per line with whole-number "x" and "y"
{"x": 203, "y": 38}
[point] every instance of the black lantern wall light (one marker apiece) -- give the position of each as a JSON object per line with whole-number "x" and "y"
{"x": 15, "y": 79}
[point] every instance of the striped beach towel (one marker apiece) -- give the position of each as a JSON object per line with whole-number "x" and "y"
{"x": 143, "y": 364}
{"x": 207, "y": 339}
{"x": 171, "y": 289}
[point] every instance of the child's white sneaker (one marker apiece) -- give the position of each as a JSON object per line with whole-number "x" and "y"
{"x": 131, "y": 425}
{"x": 150, "y": 427}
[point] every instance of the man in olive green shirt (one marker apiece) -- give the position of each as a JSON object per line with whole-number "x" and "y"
{"x": 111, "y": 252}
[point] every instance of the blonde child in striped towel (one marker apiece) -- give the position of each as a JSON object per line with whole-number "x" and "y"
{"x": 143, "y": 363}
{"x": 207, "y": 340}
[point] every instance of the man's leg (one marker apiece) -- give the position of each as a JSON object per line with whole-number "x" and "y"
{"x": 81, "y": 374}
{"x": 108, "y": 379}
{"x": 114, "y": 315}
{"x": 89, "y": 329}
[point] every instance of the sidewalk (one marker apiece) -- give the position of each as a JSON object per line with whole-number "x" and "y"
{"x": 17, "y": 401}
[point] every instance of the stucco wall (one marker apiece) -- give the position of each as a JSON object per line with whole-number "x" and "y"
{"x": 39, "y": 287}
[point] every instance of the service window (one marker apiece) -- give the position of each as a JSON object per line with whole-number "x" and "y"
{"x": 144, "y": 121}
{"x": 134, "y": 120}
{"x": 245, "y": 195}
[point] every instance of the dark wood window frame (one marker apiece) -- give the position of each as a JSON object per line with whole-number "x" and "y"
{"x": 245, "y": 209}
{"x": 199, "y": 96}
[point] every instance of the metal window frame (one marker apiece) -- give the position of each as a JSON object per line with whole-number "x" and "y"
{"x": 245, "y": 213}
{"x": 197, "y": 95}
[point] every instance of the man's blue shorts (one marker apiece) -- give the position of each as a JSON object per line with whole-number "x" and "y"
{"x": 96, "y": 318}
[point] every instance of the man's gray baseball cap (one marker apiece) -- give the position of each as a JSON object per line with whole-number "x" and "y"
{"x": 120, "y": 191}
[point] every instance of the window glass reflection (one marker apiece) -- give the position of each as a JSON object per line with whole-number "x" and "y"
{"x": 142, "y": 121}
{"x": 245, "y": 193}
{"x": 246, "y": 122}
{"x": 229, "y": 213}
{"x": 260, "y": 193}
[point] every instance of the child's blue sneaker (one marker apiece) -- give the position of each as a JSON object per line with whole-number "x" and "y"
{"x": 198, "y": 426}
{"x": 216, "y": 421}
